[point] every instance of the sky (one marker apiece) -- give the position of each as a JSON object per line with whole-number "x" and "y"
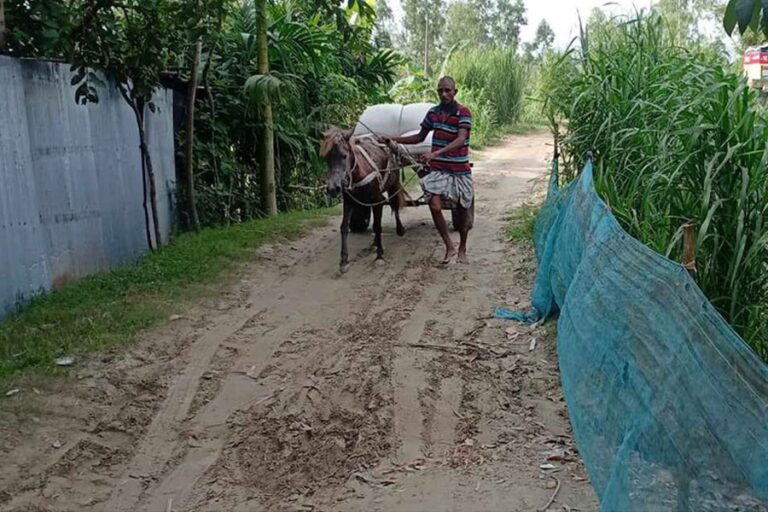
{"x": 560, "y": 14}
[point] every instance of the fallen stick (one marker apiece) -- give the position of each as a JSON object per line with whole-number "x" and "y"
{"x": 554, "y": 495}
{"x": 442, "y": 348}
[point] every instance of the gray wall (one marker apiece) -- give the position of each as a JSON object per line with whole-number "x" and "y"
{"x": 70, "y": 179}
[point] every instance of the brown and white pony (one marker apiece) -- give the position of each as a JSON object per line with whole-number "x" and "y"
{"x": 362, "y": 170}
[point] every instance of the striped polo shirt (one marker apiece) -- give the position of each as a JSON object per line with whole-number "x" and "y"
{"x": 445, "y": 121}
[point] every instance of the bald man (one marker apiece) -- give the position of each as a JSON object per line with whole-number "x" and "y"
{"x": 449, "y": 173}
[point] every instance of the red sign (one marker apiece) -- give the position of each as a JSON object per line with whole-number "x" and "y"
{"x": 755, "y": 58}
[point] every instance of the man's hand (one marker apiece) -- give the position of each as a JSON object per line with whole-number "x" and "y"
{"x": 425, "y": 159}
{"x": 391, "y": 144}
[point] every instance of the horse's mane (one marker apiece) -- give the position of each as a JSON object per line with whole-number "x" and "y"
{"x": 332, "y": 137}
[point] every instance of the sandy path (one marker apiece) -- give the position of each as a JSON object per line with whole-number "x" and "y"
{"x": 386, "y": 389}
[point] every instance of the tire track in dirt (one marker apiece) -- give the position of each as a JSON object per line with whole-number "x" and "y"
{"x": 303, "y": 390}
{"x": 207, "y": 429}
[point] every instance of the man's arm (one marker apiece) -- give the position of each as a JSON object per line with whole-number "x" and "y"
{"x": 411, "y": 139}
{"x": 458, "y": 142}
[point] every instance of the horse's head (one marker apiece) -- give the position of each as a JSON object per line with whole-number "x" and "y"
{"x": 337, "y": 151}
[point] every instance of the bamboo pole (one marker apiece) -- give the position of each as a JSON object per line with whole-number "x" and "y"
{"x": 689, "y": 248}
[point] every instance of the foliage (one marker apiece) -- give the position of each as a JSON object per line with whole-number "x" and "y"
{"x": 424, "y": 22}
{"x": 320, "y": 75}
{"x": 543, "y": 79}
{"x": 677, "y": 138}
{"x": 521, "y": 224}
{"x": 508, "y": 18}
{"x": 747, "y": 15}
{"x": 473, "y": 23}
{"x": 468, "y": 22}
{"x": 499, "y": 72}
{"x": 385, "y": 27}
{"x": 490, "y": 83}
{"x": 36, "y": 27}
{"x": 325, "y": 69}
{"x": 542, "y": 42}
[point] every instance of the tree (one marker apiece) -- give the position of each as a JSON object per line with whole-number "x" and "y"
{"x": 424, "y": 22}
{"x": 384, "y": 30}
{"x": 466, "y": 22}
{"x": 130, "y": 43}
{"x": 268, "y": 189}
{"x": 205, "y": 18}
{"x": 686, "y": 18}
{"x": 2, "y": 24}
{"x": 509, "y": 18}
{"x": 189, "y": 142}
{"x": 543, "y": 41}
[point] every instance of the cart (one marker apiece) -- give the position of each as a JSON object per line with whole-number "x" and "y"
{"x": 393, "y": 119}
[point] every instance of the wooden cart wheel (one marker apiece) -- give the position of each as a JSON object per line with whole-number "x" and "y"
{"x": 361, "y": 218}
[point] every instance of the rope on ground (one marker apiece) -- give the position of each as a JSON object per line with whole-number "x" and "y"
{"x": 554, "y": 495}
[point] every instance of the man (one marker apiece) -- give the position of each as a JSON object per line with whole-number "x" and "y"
{"x": 449, "y": 175}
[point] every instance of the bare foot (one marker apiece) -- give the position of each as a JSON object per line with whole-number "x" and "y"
{"x": 450, "y": 254}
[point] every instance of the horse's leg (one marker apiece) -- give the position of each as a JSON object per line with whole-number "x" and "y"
{"x": 395, "y": 203}
{"x": 348, "y": 206}
{"x": 377, "y": 213}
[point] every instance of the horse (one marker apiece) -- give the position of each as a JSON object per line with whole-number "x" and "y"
{"x": 362, "y": 170}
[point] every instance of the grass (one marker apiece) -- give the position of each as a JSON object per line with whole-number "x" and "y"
{"x": 521, "y": 222}
{"x": 678, "y": 138}
{"x": 109, "y": 309}
{"x": 526, "y": 128}
{"x": 490, "y": 82}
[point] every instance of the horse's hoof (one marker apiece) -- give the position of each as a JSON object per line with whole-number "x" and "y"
{"x": 380, "y": 262}
{"x": 400, "y": 231}
{"x": 344, "y": 268}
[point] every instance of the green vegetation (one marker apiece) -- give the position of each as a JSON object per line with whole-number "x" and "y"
{"x": 491, "y": 81}
{"x": 324, "y": 69}
{"x": 108, "y": 309}
{"x": 678, "y": 139}
{"x": 521, "y": 223}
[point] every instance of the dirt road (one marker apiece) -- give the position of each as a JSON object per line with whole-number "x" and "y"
{"x": 387, "y": 389}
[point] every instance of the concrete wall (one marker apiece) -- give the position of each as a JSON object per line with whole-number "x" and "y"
{"x": 70, "y": 179}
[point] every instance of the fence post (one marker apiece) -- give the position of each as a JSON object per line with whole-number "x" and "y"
{"x": 689, "y": 248}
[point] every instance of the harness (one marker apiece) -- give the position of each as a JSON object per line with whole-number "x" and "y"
{"x": 378, "y": 174}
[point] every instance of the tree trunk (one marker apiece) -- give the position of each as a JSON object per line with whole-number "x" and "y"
{"x": 426, "y": 44}
{"x": 147, "y": 171}
{"x": 2, "y": 24}
{"x": 140, "y": 123}
{"x": 267, "y": 156}
{"x": 147, "y": 157}
{"x": 189, "y": 177}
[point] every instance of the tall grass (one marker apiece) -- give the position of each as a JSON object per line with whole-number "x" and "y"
{"x": 491, "y": 82}
{"x": 678, "y": 138}
{"x": 498, "y": 72}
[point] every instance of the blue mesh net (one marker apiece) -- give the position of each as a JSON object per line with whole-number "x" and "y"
{"x": 669, "y": 405}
